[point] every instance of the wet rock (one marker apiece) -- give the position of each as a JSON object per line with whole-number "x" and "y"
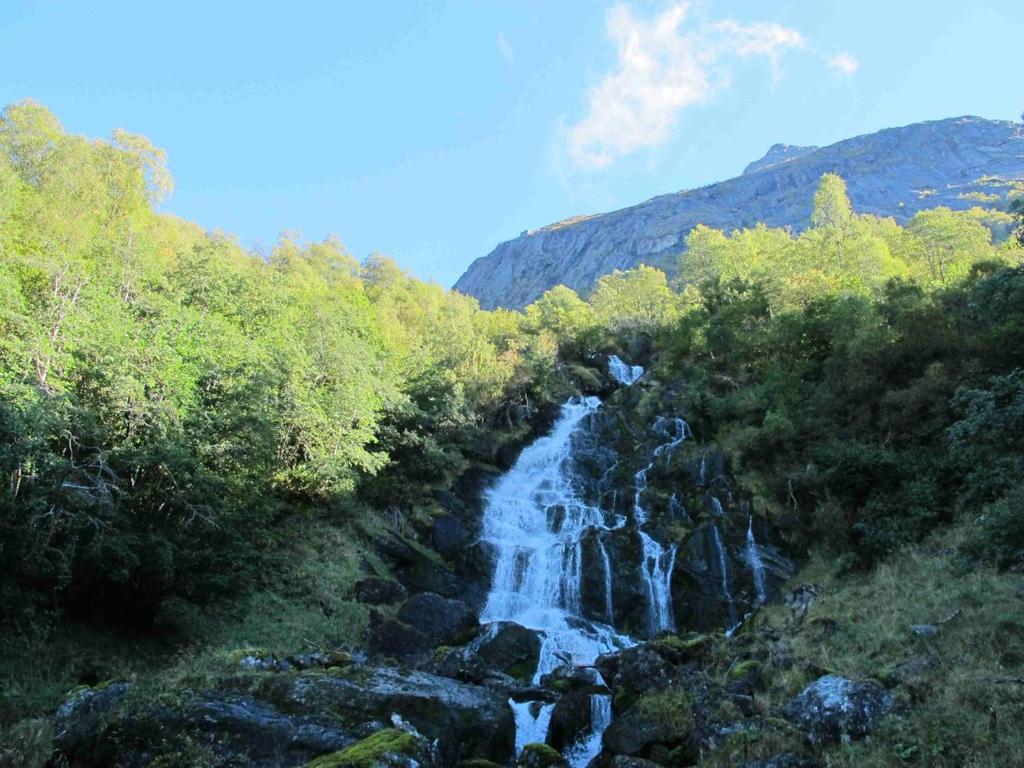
{"x": 442, "y": 620}
{"x": 834, "y": 708}
{"x": 511, "y": 649}
{"x": 570, "y": 719}
{"x": 377, "y": 591}
{"x": 566, "y": 678}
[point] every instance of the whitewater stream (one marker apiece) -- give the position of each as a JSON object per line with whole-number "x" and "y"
{"x": 536, "y": 518}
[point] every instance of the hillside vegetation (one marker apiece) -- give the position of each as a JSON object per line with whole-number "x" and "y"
{"x": 199, "y": 444}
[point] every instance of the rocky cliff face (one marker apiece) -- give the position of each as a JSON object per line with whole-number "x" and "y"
{"x": 895, "y": 172}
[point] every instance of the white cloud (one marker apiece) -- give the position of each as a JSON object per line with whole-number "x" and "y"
{"x": 505, "y": 49}
{"x": 663, "y": 69}
{"x": 844, "y": 63}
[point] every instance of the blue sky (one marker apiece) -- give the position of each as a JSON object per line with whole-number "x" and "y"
{"x": 431, "y": 131}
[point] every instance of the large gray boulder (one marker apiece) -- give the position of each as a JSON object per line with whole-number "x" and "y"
{"x": 833, "y": 708}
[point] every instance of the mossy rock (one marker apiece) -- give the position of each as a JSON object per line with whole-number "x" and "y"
{"x": 678, "y": 648}
{"x": 478, "y": 763}
{"x": 372, "y": 751}
{"x": 743, "y": 669}
{"x": 538, "y": 755}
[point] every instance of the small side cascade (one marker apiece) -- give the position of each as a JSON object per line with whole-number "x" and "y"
{"x": 756, "y": 563}
{"x": 723, "y": 576}
{"x": 532, "y": 721}
{"x": 589, "y": 747}
{"x": 607, "y": 565}
{"x": 676, "y": 429}
{"x": 658, "y": 561}
{"x": 627, "y": 375}
{"x": 716, "y": 507}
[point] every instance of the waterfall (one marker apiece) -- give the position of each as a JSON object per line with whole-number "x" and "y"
{"x": 716, "y": 506}
{"x": 723, "y": 575}
{"x": 585, "y": 750}
{"x": 532, "y": 720}
{"x": 536, "y": 520}
{"x": 677, "y": 433}
{"x": 756, "y": 563}
{"x": 623, "y": 373}
{"x": 609, "y": 614}
{"x": 658, "y": 562}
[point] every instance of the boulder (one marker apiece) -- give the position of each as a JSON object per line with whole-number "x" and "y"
{"x": 511, "y": 649}
{"x": 222, "y": 728}
{"x": 441, "y": 620}
{"x": 466, "y": 720}
{"x": 386, "y": 748}
{"x": 390, "y": 637}
{"x": 377, "y": 591}
{"x": 635, "y": 671}
{"x": 83, "y": 715}
{"x": 540, "y": 756}
{"x": 570, "y": 719}
{"x": 276, "y": 720}
{"x": 834, "y": 708}
{"x": 633, "y": 733}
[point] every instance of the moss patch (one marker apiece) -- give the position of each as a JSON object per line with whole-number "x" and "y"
{"x": 368, "y": 752}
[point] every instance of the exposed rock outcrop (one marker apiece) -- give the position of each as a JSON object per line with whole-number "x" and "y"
{"x": 894, "y": 172}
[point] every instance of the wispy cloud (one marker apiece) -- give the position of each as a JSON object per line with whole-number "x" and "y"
{"x": 844, "y": 63}
{"x": 662, "y": 69}
{"x": 505, "y": 49}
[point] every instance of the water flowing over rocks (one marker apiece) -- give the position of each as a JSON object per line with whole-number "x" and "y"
{"x": 580, "y": 618}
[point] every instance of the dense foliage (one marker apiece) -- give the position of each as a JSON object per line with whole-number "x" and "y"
{"x": 179, "y": 416}
{"x": 866, "y": 377}
{"x": 166, "y": 398}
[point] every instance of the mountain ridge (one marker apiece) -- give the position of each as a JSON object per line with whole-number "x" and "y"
{"x": 892, "y": 172}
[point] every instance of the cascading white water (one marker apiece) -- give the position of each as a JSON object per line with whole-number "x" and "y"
{"x": 622, "y": 372}
{"x": 716, "y": 506}
{"x": 658, "y": 561}
{"x": 609, "y": 614}
{"x": 723, "y": 576}
{"x": 589, "y": 747}
{"x": 536, "y": 521}
{"x": 532, "y": 721}
{"x": 756, "y": 563}
{"x": 676, "y": 429}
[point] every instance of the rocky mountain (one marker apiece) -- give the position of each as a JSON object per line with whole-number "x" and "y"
{"x": 896, "y": 172}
